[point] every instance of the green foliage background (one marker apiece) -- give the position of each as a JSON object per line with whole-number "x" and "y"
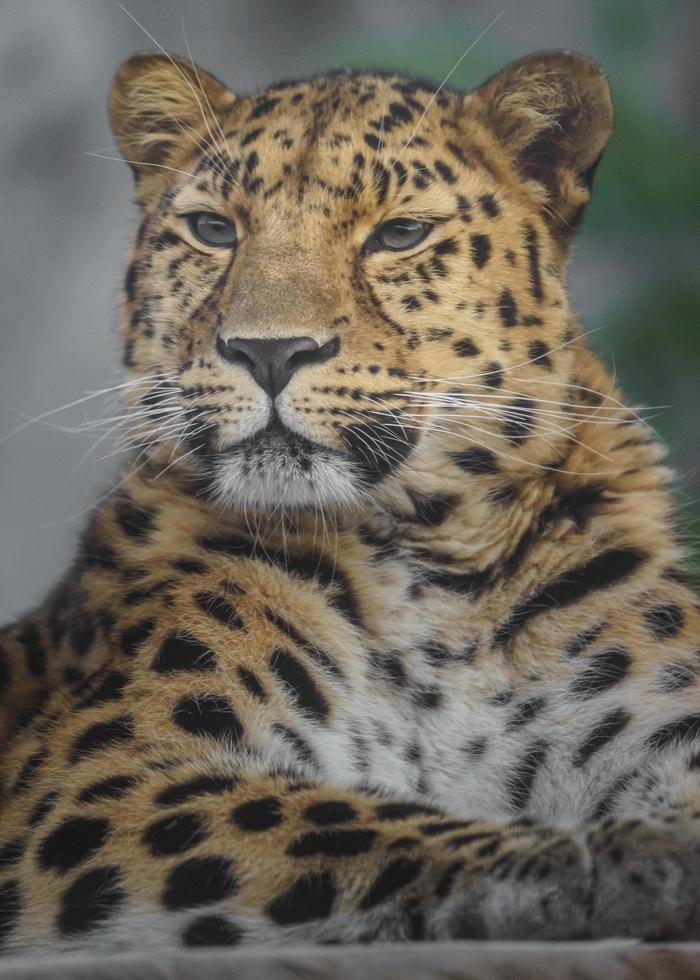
{"x": 643, "y": 217}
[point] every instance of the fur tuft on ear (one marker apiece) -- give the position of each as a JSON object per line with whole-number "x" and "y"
{"x": 161, "y": 106}
{"x": 553, "y": 114}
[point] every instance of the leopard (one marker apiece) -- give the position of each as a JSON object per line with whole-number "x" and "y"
{"x": 386, "y": 632}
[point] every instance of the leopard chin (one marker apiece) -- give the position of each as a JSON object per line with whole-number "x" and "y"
{"x": 280, "y": 470}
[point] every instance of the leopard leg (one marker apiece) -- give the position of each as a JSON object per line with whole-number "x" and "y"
{"x": 198, "y": 855}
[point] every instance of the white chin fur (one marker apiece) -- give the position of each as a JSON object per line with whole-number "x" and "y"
{"x": 275, "y": 480}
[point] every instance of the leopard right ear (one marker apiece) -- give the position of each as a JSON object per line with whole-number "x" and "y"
{"x": 160, "y": 107}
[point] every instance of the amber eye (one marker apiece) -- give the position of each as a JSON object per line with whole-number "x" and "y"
{"x": 397, "y": 235}
{"x": 212, "y": 229}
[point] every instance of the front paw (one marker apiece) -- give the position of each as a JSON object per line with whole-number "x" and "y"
{"x": 647, "y": 880}
{"x": 539, "y": 890}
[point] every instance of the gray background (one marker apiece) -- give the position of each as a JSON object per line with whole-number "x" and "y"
{"x": 67, "y": 217}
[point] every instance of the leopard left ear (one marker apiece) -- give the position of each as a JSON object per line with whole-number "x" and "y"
{"x": 161, "y": 107}
{"x": 553, "y": 114}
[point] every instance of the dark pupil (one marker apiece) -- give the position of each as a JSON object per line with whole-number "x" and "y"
{"x": 213, "y": 230}
{"x": 401, "y": 234}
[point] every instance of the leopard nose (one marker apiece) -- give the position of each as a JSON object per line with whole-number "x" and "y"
{"x": 273, "y": 363}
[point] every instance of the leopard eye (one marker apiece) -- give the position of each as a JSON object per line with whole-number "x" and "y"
{"x": 398, "y": 234}
{"x": 212, "y": 229}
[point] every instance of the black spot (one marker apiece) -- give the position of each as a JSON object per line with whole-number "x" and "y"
{"x": 525, "y": 712}
{"x": 109, "y": 687}
{"x": 132, "y": 638}
{"x": 198, "y": 881}
{"x": 533, "y": 258}
{"x": 445, "y": 172}
{"x": 262, "y": 107}
{"x": 372, "y": 141}
{"x": 34, "y": 649}
{"x": 330, "y": 812}
{"x": 447, "y": 879}
{"x": 4, "y": 671}
{"x": 319, "y": 656}
{"x": 481, "y": 250}
{"x": 601, "y": 672}
{"x": 682, "y": 730}
{"x": 465, "y": 347}
{"x": 444, "y": 827}
{"x": 431, "y": 511}
{"x": 397, "y": 874}
{"x": 300, "y": 684}
{"x": 518, "y": 424}
{"x": 201, "y": 786}
{"x": 175, "y": 834}
{"x": 102, "y": 735}
{"x": 475, "y": 460}
{"x": 26, "y": 773}
{"x": 82, "y": 634}
{"x": 258, "y": 815}
{"x": 112, "y": 788}
{"x": 251, "y": 136}
{"x": 507, "y": 309}
{"x": 402, "y": 811}
{"x": 309, "y": 898}
{"x": 90, "y": 900}
{"x": 209, "y": 715}
{"x": 476, "y": 746}
{"x": 11, "y": 853}
{"x": 427, "y": 697}
{"x": 583, "y": 640}
{"x": 381, "y": 181}
{"x": 135, "y": 522}
{"x": 676, "y": 677}
{"x": 182, "y": 652}
{"x": 520, "y": 781}
{"x": 605, "y": 569}
{"x": 190, "y": 566}
{"x": 389, "y": 666}
{"x": 493, "y": 374}
{"x": 211, "y": 930}
{"x": 489, "y": 205}
{"x": 448, "y": 246}
{"x": 665, "y": 620}
{"x": 72, "y": 842}
{"x": 539, "y": 352}
{"x": 130, "y": 280}
{"x": 300, "y": 745}
{"x": 379, "y": 445}
{"x": 251, "y": 683}
{"x": 606, "y": 730}
{"x": 218, "y": 608}
{"x": 42, "y": 809}
{"x": 333, "y": 842}
{"x": 10, "y": 908}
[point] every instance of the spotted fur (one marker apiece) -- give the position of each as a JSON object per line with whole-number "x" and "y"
{"x": 408, "y": 653}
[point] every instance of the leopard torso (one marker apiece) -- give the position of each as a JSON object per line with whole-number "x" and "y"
{"x": 384, "y": 632}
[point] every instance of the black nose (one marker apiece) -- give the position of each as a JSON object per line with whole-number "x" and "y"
{"x": 273, "y": 362}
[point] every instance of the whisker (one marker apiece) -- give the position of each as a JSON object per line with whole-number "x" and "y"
{"x": 446, "y": 79}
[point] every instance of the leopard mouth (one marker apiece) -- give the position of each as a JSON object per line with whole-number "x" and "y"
{"x": 278, "y": 441}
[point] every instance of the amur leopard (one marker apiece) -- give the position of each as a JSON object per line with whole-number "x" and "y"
{"x": 384, "y": 632}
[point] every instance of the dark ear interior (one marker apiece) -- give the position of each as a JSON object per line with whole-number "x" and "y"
{"x": 161, "y": 106}
{"x": 553, "y": 114}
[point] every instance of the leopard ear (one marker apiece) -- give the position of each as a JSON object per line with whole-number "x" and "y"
{"x": 160, "y": 107}
{"x": 553, "y": 114}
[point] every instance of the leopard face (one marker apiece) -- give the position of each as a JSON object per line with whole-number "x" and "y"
{"x": 335, "y": 282}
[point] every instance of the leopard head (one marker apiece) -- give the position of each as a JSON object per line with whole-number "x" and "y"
{"x": 339, "y": 281}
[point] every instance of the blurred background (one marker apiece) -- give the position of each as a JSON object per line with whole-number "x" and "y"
{"x": 67, "y": 216}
